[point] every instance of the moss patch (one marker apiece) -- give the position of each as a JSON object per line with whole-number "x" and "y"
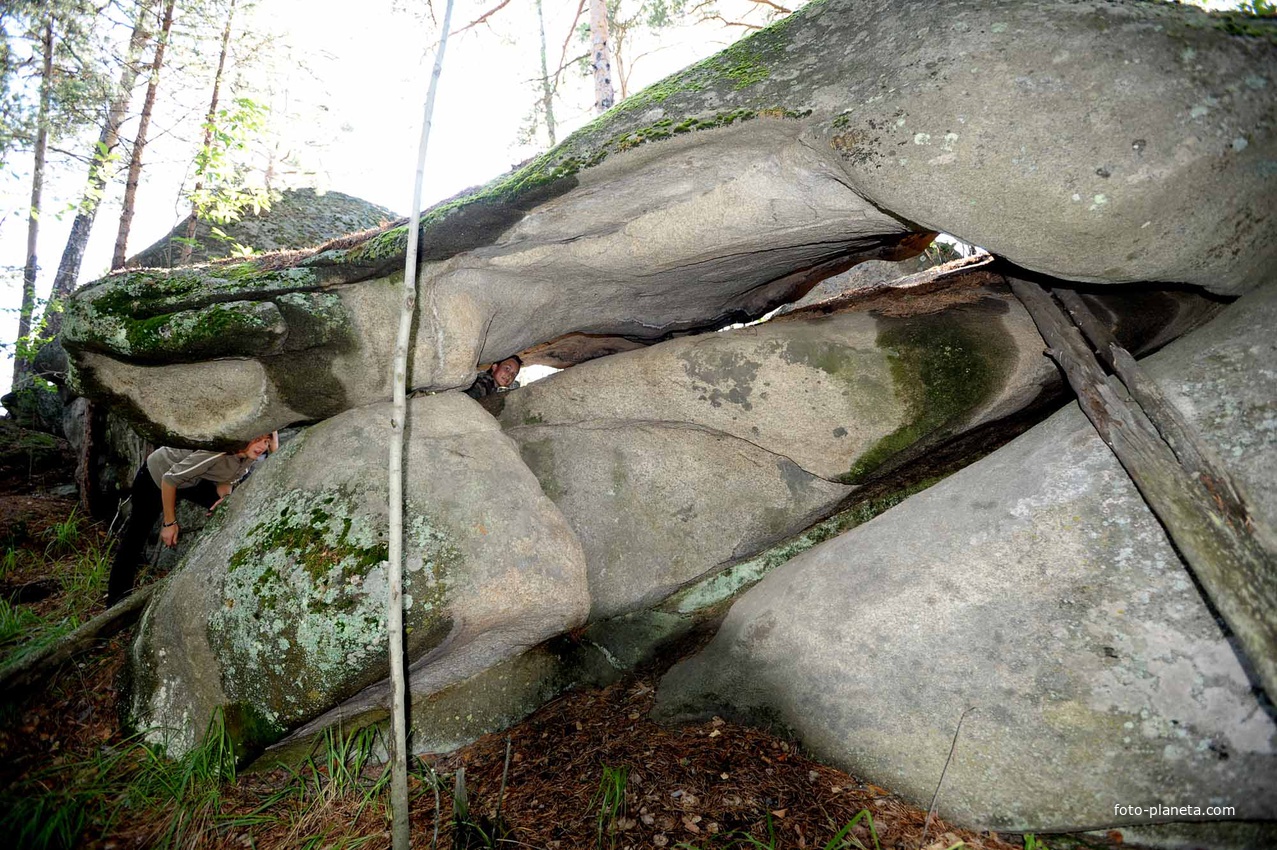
{"x": 302, "y": 623}
{"x": 943, "y": 366}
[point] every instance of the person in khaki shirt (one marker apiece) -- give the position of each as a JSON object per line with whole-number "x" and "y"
{"x": 167, "y": 475}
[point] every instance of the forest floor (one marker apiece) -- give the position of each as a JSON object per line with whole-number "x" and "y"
{"x": 589, "y": 770}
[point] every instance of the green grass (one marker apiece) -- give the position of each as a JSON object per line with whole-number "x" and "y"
{"x": 15, "y": 621}
{"x": 8, "y": 561}
{"x": 609, "y": 803}
{"x": 54, "y": 807}
{"x": 81, "y": 569}
{"x": 64, "y": 536}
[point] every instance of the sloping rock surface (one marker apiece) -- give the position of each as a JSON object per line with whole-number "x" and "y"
{"x": 1094, "y": 141}
{"x": 1036, "y": 590}
{"x": 279, "y": 610}
{"x": 299, "y": 218}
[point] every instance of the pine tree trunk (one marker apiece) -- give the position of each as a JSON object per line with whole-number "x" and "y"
{"x": 20, "y": 366}
{"x": 547, "y": 91}
{"x": 600, "y": 57}
{"x": 73, "y": 254}
{"x": 139, "y": 143}
{"x": 189, "y": 244}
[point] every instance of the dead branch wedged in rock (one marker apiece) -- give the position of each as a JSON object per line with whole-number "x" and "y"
{"x": 23, "y": 673}
{"x": 913, "y": 294}
{"x": 1230, "y": 564}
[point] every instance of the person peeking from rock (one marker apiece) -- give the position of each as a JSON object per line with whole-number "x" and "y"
{"x": 499, "y": 376}
{"x": 203, "y": 477}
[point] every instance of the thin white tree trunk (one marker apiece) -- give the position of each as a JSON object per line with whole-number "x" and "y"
{"x": 394, "y": 614}
{"x": 601, "y": 57}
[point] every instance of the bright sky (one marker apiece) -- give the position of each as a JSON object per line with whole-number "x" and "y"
{"x": 365, "y": 75}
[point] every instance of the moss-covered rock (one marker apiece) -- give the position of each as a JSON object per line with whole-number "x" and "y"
{"x": 1034, "y": 596}
{"x": 278, "y": 612}
{"x": 732, "y": 187}
{"x": 297, "y": 218}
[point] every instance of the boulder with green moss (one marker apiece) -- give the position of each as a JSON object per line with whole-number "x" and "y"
{"x": 297, "y": 218}
{"x": 279, "y": 611}
{"x": 1096, "y": 141}
{"x": 1035, "y": 590}
{"x": 674, "y": 461}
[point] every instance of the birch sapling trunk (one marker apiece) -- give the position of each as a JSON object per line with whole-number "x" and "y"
{"x": 601, "y": 57}
{"x": 139, "y": 142}
{"x": 189, "y": 244}
{"x": 394, "y": 615}
{"x": 20, "y": 366}
{"x": 73, "y": 254}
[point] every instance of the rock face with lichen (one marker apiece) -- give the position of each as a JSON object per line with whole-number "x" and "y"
{"x": 1035, "y": 588}
{"x": 636, "y": 497}
{"x": 1095, "y": 141}
{"x": 680, "y": 466}
{"x": 278, "y": 612}
{"x": 673, "y": 461}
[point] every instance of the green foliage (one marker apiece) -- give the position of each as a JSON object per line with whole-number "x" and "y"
{"x": 14, "y": 621}
{"x": 223, "y": 193}
{"x": 54, "y": 807}
{"x": 1258, "y": 8}
{"x": 1031, "y": 841}
{"x": 609, "y": 803}
{"x": 83, "y": 562}
{"x": 84, "y": 62}
{"x": 65, "y": 535}
{"x": 8, "y": 561}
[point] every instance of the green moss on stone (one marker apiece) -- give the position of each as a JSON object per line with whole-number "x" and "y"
{"x": 943, "y": 367}
{"x": 240, "y": 325}
{"x": 302, "y": 625}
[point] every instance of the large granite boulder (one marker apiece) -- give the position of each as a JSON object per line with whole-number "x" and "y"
{"x": 1095, "y": 141}
{"x": 680, "y": 466}
{"x": 677, "y": 460}
{"x": 1036, "y": 589}
{"x": 278, "y": 612}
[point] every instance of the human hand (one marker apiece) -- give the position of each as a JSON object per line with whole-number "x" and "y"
{"x": 168, "y": 535}
{"x": 215, "y": 505}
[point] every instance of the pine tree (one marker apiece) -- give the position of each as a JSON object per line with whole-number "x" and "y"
{"x": 104, "y": 154}
{"x": 209, "y": 124}
{"x": 139, "y": 140}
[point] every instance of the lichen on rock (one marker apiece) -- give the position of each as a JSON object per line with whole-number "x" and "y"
{"x": 307, "y": 593}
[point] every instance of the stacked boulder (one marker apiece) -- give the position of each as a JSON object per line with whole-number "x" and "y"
{"x": 631, "y": 495}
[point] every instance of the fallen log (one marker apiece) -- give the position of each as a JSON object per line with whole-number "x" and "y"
{"x": 25, "y": 671}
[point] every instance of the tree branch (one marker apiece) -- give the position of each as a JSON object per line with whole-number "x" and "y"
{"x": 727, "y": 23}
{"x": 482, "y": 18}
{"x": 775, "y": 6}
{"x": 580, "y": 10}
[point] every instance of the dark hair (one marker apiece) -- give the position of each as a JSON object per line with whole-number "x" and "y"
{"x": 516, "y": 358}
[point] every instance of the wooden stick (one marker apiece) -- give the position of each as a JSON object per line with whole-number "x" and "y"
{"x": 38, "y": 665}
{"x": 1194, "y": 455}
{"x": 1238, "y": 575}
